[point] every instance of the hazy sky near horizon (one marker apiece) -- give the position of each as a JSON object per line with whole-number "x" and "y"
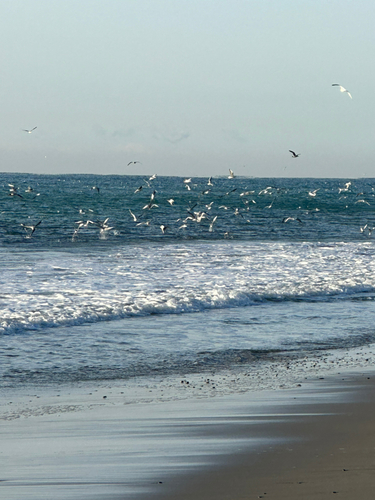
{"x": 188, "y": 87}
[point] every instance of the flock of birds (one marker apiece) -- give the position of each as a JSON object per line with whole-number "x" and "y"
{"x": 194, "y": 202}
{"x": 192, "y": 216}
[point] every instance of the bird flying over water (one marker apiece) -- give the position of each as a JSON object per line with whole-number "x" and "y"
{"x": 313, "y": 192}
{"x": 294, "y": 155}
{"x": 29, "y": 131}
{"x": 287, "y": 219}
{"x": 212, "y": 224}
{"x": 32, "y": 228}
{"x": 342, "y": 89}
{"x": 135, "y": 219}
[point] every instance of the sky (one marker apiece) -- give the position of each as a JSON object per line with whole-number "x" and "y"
{"x": 188, "y": 87}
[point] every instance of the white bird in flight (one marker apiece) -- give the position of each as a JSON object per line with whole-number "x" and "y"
{"x": 29, "y": 131}
{"x": 32, "y": 228}
{"x": 342, "y": 89}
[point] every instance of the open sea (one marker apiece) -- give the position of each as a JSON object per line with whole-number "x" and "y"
{"x": 103, "y": 278}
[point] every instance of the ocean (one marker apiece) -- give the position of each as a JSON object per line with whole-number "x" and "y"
{"x": 115, "y": 277}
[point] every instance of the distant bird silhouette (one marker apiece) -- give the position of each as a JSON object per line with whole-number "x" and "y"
{"x": 295, "y": 155}
{"x": 29, "y": 131}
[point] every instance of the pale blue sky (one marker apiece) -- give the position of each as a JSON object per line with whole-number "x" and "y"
{"x": 188, "y": 87}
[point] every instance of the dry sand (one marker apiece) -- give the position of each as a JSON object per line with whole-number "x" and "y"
{"x": 303, "y": 431}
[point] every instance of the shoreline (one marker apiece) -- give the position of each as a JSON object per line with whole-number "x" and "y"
{"x": 327, "y": 452}
{"x": 205, "y": 437}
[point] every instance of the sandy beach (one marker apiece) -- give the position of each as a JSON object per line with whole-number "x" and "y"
{"x": 309, "y": 437}
{"x": 320, "y": 450}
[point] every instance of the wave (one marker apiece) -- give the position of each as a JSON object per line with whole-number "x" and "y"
{"x": 96, "y": 308}
{"x": 45, "y": 290}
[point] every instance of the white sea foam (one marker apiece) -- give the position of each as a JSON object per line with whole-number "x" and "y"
{"x": 42, "y": 290}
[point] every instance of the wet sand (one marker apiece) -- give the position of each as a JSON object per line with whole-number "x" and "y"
{"x": 311, "y": 438}
{"x": 325, "y": 455}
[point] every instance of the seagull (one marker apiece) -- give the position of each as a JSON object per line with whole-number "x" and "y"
{"x": 130, "y": 162}
{"x": 150, "y": 205}
{"x": 31, "y": 227}
{"x": 294, "y": 155}
{"x": 209, "y": 183}
{"x": 346, "y": 188}
{"x": 14, "y": 193}
{"x": 287, "y": 219}
{"x": 29, "y": 131}
{"x": 163, "y": 228}
{"x": 80, "y": 225}
{"x": 231, "y": 174}
{"x": 363, "y": 201}
{"x": 342, "y": 89}
{"x": 170, "y": 201}
{"x": 210, "y": 229}
{"x": 313, "y": 193}
{"x": 103, "y": 227}
{"x": 267, "y": 190}
{"x": 134, "y": 216}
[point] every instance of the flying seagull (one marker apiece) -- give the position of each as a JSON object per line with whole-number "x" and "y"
{"x": 32, "y": 228}
{"x": 342, "y": 89}
{"x": 295, "y": 155}
{"x": 29, "y": 131}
